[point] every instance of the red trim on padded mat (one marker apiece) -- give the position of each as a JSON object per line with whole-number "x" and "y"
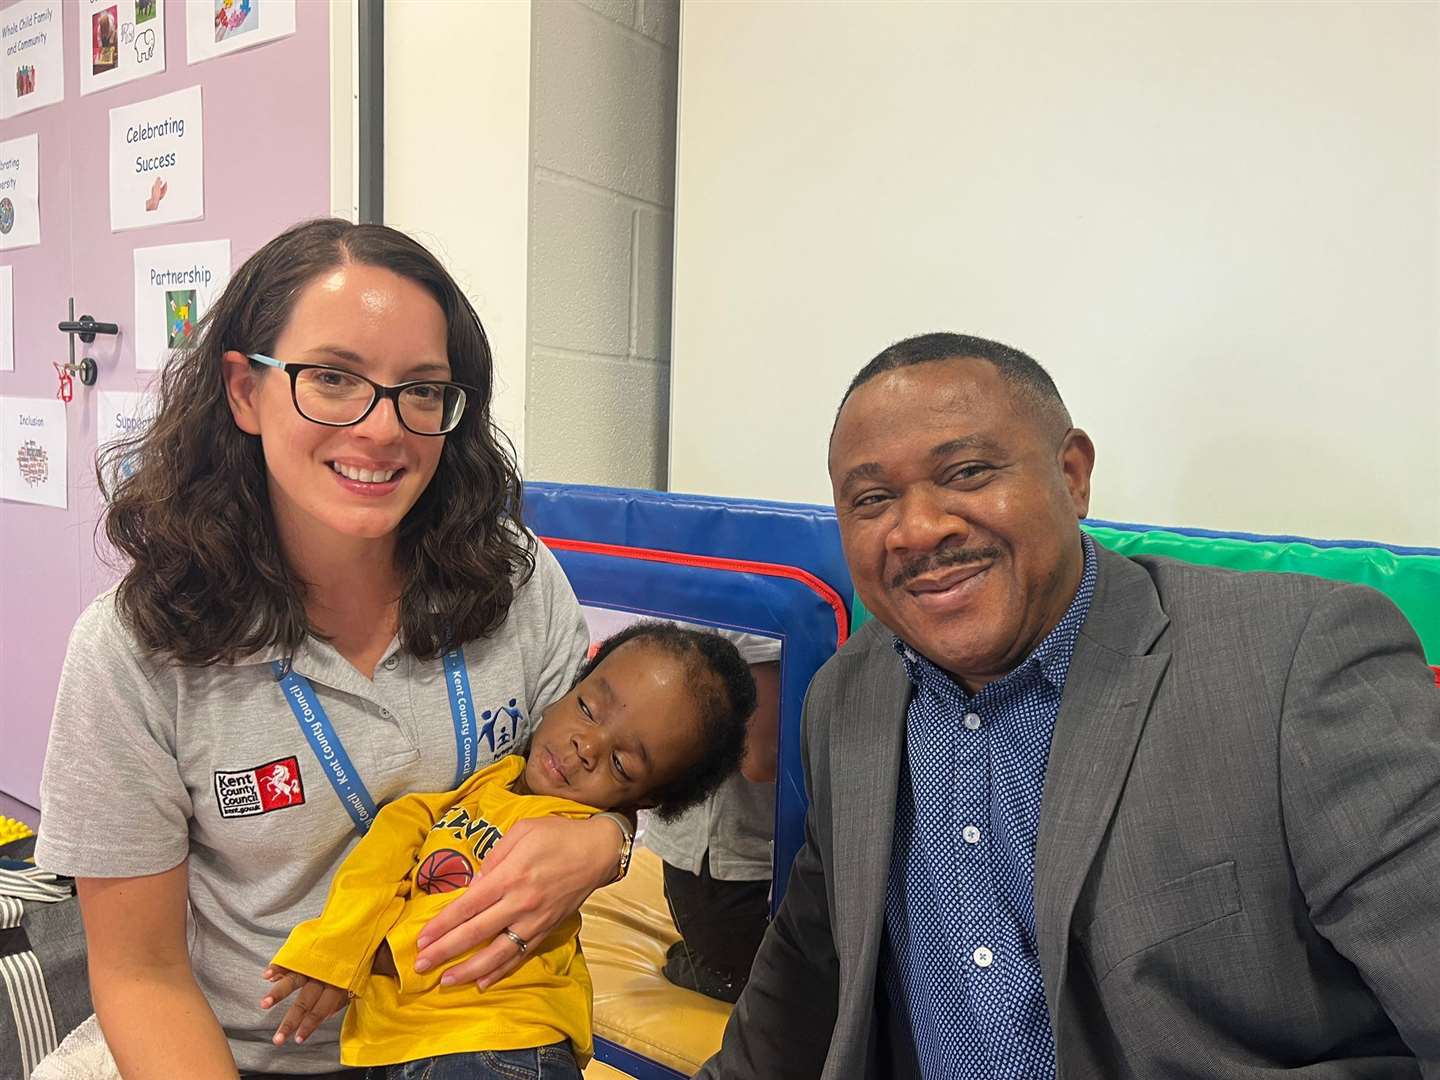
{"x": 1436, "y": 669}
{"x": 711, "y": 562}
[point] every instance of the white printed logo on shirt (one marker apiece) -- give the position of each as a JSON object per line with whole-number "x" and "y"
{"x": 272, "y": 786}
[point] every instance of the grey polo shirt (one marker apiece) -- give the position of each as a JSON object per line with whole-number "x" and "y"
{"x": 735, "y": 825}
{"x": 150, "y": 763}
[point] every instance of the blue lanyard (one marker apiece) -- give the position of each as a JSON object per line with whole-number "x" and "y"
{"x": 457, "y": 681}
{"x": 330, "y": 752}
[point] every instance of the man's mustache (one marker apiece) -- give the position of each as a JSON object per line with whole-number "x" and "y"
{"x": 942, "y": 559}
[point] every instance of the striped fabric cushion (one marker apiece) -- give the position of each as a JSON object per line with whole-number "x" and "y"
{"x": 34, "y": 1032}
{"x": 30, "y": 1006}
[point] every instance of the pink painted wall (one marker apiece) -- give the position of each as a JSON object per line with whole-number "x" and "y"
{"x": 267, "y": 165}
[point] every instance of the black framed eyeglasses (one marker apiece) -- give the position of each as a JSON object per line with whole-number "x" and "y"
{"x": 338, "y": 398}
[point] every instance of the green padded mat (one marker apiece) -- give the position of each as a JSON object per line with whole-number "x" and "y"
{"x": 1412, "y": 581}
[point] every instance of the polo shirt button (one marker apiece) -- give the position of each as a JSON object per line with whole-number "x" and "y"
{"x": 983, "y": 957}
{"x": 972, "y": 721}
{"x": 386, "y": 714}
{"x": 971, "y": 834}
{"x": 392, "y": 663}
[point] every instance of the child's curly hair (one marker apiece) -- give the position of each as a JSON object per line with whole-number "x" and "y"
{"x": 724, "y": 690}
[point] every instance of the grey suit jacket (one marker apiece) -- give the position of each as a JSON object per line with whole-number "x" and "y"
{"x": 1238, "y": 864}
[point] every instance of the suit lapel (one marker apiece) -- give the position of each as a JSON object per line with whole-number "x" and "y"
{"x": 865, "y": 763}
{"x": 1107, "y": 697}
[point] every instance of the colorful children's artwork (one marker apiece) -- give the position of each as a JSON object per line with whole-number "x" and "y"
{"x": 217, "y": 27}
{"x": 33, "y": 56}
{"x": 7, "y": 318}
{"x": 33, "y": 451}
{"x": 174, "y": 288}
{"x": 125, "y": 41}
{"x": 179, "y": 306}
{"x": 157, "y": 161}
{"x": 235, "y": 17}
{"x": 20, "y": 192}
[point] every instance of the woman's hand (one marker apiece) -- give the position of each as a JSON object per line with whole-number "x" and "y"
{"x": 537, "y": 876}
{"x": 316, "y": 1002}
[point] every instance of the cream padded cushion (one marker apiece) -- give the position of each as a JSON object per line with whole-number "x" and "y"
{"x": 625, "y": 932}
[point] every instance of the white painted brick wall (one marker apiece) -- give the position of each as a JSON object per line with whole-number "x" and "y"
{"x": 654, "y": 240}
{"x": 601, "y": 235}
{"x": 603, "y": 101}
{"x": 580, "y": 243}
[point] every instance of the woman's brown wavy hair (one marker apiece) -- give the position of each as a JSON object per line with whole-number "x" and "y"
{"x": 206, "y": 581}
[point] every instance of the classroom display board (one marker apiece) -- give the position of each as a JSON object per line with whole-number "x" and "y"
{"x": 157, "y": 161}
{"x": 120, "y": 41}
{"x": 127, "y": 182}
{"x": 19, "y": 192}
{"x": 32, "y": 57}
{"x": 1224, "y": 253}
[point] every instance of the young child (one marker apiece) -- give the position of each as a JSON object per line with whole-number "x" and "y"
{"x": 656, "y": 719}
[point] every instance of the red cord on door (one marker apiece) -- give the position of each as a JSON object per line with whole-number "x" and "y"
{"x": 66, "y": 393}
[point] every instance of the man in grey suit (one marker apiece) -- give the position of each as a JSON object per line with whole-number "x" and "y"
{"x": 1081, "y": 816}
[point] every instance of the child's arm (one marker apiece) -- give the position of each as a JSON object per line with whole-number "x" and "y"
{"x": 366, "y": 896}
{"x": 316, "y": 1003}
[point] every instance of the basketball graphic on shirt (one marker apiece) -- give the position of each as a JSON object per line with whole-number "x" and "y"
{"x": 444, "y": 871}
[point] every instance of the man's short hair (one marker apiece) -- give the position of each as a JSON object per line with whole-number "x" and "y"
{"x": 1019, "y": 371}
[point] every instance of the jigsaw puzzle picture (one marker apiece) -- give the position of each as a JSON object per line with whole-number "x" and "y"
{"x": 180, "y": 315}
{"x": 234, "y": 17}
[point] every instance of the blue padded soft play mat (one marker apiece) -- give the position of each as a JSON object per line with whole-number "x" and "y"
{"x": 777, "y": 569}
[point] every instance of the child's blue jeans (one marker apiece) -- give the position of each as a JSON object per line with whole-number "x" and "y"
{"x": 553, "y": 1062}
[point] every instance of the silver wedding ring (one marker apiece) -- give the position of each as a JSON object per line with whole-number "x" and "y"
{"x": 517, "y": 939}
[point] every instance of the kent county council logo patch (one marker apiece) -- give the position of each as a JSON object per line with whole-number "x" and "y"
{"x": 259, "y": 790}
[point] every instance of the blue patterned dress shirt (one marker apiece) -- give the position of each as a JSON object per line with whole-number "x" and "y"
{"x": 960, "y": 962}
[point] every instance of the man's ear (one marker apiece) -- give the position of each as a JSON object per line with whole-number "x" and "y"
{"x": 242, "y": 390}
{"x": 1077, "y": 460}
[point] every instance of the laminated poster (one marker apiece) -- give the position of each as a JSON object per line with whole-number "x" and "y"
{"x": 157, "y": 161}
{"x": 20, "y": 192}
{"x": 7, "y": 318}
{"x": 34, "y": 57}
{"x": 119, "y": 414}
{"x": 120, "y": 40}
{"x": 174, "y": 286}
{"x": 33, "y": 451}
{"x": 219, "y": 27}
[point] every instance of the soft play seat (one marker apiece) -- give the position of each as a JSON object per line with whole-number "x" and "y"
{"x": 777, "y": 569}
{"x": 763, "y": 568}
{"x": 598, "y": 1070}
{"x": 625, "y": 931}
{"x": 1410, "y": 576}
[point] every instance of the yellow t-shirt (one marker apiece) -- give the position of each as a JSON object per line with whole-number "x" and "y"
{"x": 421, "y": 850}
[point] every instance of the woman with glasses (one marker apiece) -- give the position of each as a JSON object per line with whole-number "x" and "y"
{"x": 330, "y": 601}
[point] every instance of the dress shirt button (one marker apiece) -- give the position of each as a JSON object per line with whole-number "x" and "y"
{"x": 971, "y": 834}
{"x": 392, "y": 663}
{"x": 983, "y": 957}
{"x": 972, "y": 721}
